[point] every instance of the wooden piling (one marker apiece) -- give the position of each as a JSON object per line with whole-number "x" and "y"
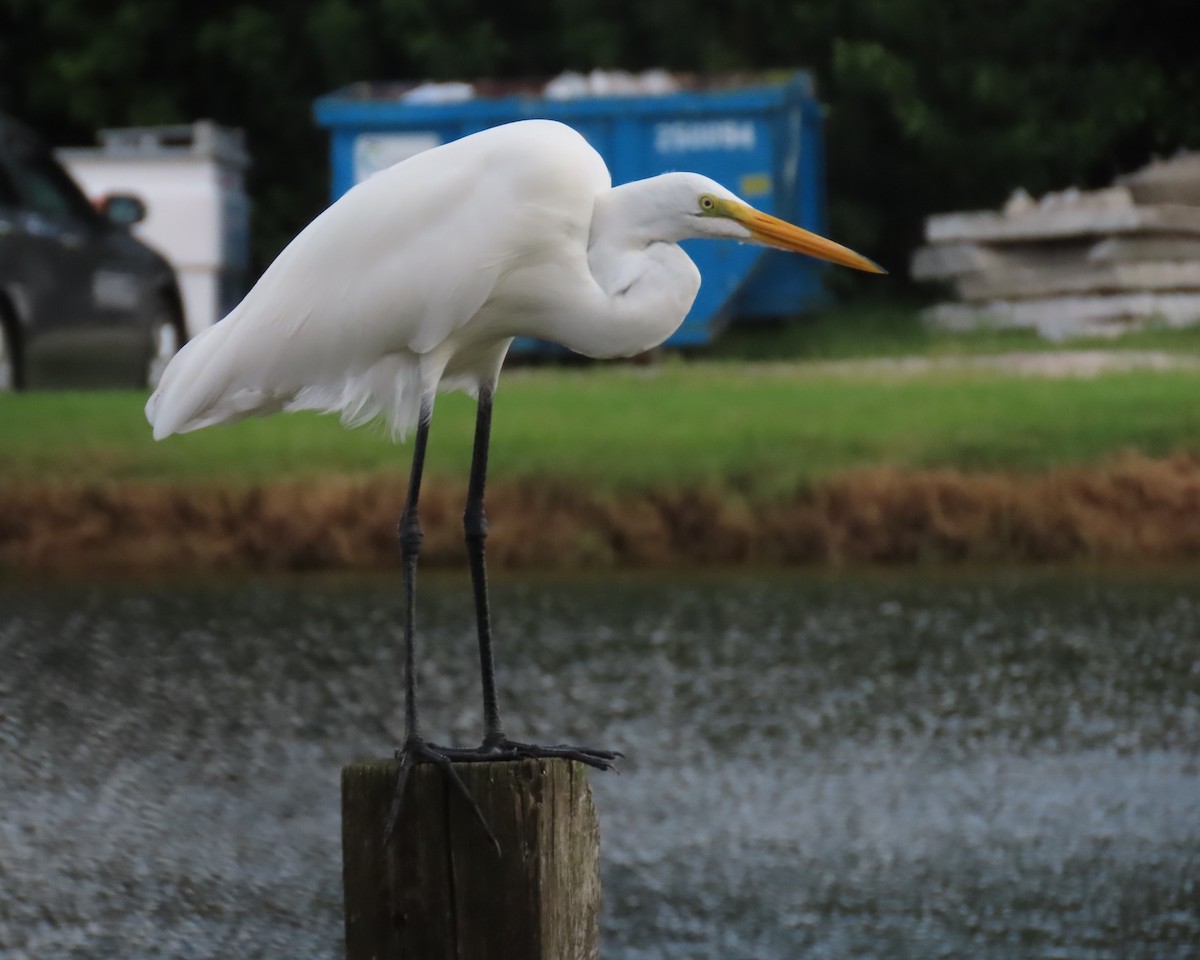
{"x": 439, "y": 891}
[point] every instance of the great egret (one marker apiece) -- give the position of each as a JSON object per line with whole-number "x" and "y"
{"x": 418, "y": 279}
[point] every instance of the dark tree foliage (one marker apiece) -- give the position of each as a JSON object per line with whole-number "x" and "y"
{"x": 932, "y": 104}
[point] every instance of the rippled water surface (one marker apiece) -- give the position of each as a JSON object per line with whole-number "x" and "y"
{"x": 981, "y": 767}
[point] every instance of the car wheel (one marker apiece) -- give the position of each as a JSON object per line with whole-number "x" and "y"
{"x": 166, "y": 337}
{"x": 10, "y": 374}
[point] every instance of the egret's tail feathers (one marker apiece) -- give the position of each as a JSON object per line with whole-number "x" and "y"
{"x": 389, "y": 389}
{"x": 230, "y": 408}
{"x": 211, "y": 381}
{"x": 190, "y": 386}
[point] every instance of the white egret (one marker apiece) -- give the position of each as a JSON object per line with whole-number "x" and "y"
{"x": 418, "y": 279}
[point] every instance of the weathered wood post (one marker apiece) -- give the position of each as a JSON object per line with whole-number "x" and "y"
{"x": 439, "y": 891}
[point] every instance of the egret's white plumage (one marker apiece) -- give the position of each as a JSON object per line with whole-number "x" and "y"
{"x": 419, "y": 278}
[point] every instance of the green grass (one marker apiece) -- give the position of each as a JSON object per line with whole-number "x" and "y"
{"x": 761, "y": 427}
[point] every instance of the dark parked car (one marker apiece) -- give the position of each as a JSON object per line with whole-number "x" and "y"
{"x": 82, "y": 302}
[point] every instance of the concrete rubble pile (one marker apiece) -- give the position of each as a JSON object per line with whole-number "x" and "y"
{"x": 1075, "y": 263}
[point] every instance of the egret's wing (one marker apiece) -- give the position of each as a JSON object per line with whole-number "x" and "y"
{"x": 389, "y": 272}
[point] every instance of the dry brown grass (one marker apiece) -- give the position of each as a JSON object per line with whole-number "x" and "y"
{"x": 1133, "y": 509}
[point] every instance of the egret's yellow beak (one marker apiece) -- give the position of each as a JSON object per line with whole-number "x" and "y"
{"x": 779, "y": 233}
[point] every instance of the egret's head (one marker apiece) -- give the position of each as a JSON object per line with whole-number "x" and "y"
{"x": 715, "y": 212}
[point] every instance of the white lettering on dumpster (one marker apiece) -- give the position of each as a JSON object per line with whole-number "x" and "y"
{"x": 682, "y": 136}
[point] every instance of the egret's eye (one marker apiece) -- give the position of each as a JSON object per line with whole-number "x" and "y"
{"x": 707, "y": 203}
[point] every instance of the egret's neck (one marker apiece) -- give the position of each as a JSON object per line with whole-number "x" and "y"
{"x": 648, "y": 282}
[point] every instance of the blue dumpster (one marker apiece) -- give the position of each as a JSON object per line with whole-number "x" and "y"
{"x": 762, "y": 141}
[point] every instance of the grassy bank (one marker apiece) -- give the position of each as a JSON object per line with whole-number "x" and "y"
{"x": 679, "y": 463}
{"x": 1132, "y": 510}
{"x": 754, "y": 428}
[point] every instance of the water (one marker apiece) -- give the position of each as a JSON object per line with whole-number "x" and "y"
{"x": 993, "y": 766}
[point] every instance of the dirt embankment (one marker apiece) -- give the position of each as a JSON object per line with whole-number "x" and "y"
{"x": 1131, "y": 510}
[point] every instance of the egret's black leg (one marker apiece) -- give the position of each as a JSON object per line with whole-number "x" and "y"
{"x": 410, "y": 549}
{"x": 415, "y": 750}
{"x": 496, "y": 746}
{"x": 475, "y": 527}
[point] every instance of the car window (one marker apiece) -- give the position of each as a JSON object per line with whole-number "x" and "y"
{"x": 42, "y": 185}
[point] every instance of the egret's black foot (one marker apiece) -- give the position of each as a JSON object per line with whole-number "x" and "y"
{"x": 414, "y": 751}
{"x": 504, "y": 749}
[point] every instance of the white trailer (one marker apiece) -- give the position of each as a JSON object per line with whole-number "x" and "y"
{"x": 191, "y": 178}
